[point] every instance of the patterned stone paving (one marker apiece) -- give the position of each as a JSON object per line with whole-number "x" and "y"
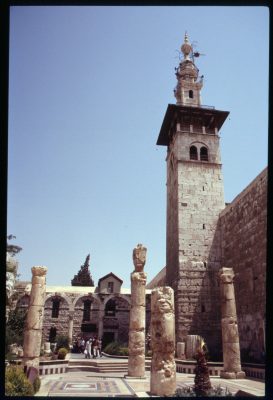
{"x": 90, "y": 387}
{"x": 80, "y": 384}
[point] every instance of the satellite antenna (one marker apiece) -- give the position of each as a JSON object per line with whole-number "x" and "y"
{"x": 179, "y": 54}
{"x": 195, "y": 53}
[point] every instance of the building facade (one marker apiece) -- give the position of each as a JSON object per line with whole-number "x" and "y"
{"x": 82, "y": 311}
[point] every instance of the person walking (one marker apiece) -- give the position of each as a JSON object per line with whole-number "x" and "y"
{"x": 87, "y": 350}
{"x": 92, "y": 346}
{"x": 95, "y": 347}
{"x": 82, "y": 345}
{"x": 79, "y": 345}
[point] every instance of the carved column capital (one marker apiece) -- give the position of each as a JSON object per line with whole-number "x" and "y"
{"x": 39, "y": 270}
{"x": 139, "y": 257}
{"x": 226, "y": 275}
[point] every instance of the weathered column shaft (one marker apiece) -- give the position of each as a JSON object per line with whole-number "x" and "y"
{"x": 34, "y": 321}
{"x": 70, "y": 327}
{"x": 136, "y": 360}
{"x": 163, "y": 368}
{"x": 230, "y": 333}
{"x": 100, "y": 323}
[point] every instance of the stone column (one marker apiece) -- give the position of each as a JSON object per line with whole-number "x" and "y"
{"x": 230, "y": 334}
{"x": 70, "y": 327}
{"x": 34, "y": 321}
{"x": 47, "y": 348}
{"x": 192, "y": 344}
{"x": 163, "y": 368}
{"x": 136, "y": 360}
{"x": 100, "y": 323}
{"x": 180, "y": 350}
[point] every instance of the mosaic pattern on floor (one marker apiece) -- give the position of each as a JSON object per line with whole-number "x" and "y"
{"x": 90, "y": 387}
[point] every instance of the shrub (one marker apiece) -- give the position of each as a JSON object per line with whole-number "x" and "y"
{"x": 123, "y": 351}
{"x": 62, "y": 342}
{"x": 9, "y": 356}
{"x": 117, "y": 349}
{"x": 62, "y": 352}
{"x": 36, "y": 384}
{"x": 15, "y": 328}
{"x": 16, "y": 382}
{"x": 217, "y": 391}
{"x": 111, "y": 348}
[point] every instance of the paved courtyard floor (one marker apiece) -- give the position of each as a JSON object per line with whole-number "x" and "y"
{"x": 92, "y": 384}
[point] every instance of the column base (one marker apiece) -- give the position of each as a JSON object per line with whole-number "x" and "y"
{"x": 134, "y": 377}
{"x": 232, "y": 375}
{"x": 31, "y": 362}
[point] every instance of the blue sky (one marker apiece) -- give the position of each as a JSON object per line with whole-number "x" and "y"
{"x": 88, "y": 90}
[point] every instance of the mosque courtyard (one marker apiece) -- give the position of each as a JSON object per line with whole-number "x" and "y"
{"x": 85, "y": 383}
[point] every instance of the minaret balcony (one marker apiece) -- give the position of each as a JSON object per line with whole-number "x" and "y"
{"x": 197, "y": 129}
{"x": 191, "y": 120}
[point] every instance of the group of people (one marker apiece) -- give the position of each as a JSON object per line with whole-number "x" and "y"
{"x": 90, "y": 347}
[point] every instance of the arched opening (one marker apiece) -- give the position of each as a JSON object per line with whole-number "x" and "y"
{"x": 86, "y": 310}
{"x": 193, "y": 153}
{"x": 23, "y": 302}
{"x": 52, "y": 334}
{"x": 55, "y": 307}
{"x": 110, "y": 308}
{"x": 190, "y": 94}
{"x": 204, "y": 154}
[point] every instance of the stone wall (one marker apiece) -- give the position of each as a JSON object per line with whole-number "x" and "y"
{"x": 243, "y": 231}
{"x": 71, "y": 306}
{"x": 60, "y": 323}
{"x": 194, "y": 274}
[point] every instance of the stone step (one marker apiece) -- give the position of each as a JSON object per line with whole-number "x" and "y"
{"x": 94, "y": 363}
{"x": 95, "y": 369}
{"x": 101, "y": 366}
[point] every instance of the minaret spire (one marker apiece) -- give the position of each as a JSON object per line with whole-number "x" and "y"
{"x": 186, "y": 47}
{"x": 187, "y": 91}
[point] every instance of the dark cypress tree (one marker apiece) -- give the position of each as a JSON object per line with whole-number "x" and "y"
{"x": 202, "y": 382}
{"x": 83, "y": 277}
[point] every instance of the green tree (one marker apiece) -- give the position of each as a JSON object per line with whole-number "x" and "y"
{"x": 202, "y": 382}
{"x": 12, "y": 249}
{"x": 15, "y": 328}
{"x": 83, "y": 278}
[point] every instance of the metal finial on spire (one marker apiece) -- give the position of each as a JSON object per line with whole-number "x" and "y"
{"x": 186, "y": 47}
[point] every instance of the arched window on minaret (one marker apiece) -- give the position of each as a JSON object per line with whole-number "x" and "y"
{"x": 193, "y": 153}
{"x": 191, "y": 94}
{"x": 204, "y": 154}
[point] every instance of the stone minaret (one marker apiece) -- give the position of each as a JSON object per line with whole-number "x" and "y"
{"x": 195, "y": 198}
